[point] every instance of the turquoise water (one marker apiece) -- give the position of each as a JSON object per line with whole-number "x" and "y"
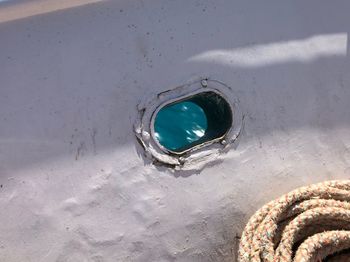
{"x": 179, "y": 126}
{"x": 187, "y": 123}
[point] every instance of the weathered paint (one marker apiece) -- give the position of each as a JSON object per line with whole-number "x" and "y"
{"x": 73, "y": 184}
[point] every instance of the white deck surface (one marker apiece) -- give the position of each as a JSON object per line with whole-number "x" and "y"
{"x": 74, "y": 186}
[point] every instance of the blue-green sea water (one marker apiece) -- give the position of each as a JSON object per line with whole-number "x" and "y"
{"x": 178, "y": 126}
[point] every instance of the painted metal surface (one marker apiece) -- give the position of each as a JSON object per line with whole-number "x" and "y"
{"x": 73, "y": 183}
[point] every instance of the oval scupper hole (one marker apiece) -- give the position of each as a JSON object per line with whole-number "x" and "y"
{"x": 192, "y": 121}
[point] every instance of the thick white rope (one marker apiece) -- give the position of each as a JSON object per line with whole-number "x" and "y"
{"x": 308, "y": 224}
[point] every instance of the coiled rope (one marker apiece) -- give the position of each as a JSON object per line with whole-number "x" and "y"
{"x": 311, "y": 223}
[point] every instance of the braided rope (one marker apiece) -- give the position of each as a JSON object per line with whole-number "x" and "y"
{"x": 309, "y": 224}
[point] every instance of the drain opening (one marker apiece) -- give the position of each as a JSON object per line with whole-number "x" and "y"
{"x": 192, "y": 121}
